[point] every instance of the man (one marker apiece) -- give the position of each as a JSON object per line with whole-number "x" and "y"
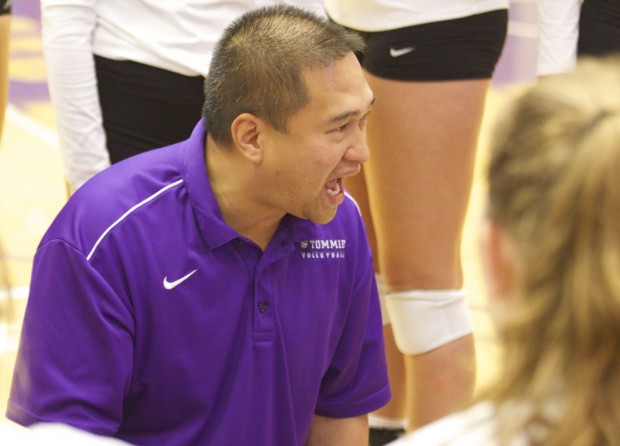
{"x": 221, "y": 290}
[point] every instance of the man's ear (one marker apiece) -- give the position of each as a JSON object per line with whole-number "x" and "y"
{"x": 246, "y": 135}
{"x": 500, "y": 262}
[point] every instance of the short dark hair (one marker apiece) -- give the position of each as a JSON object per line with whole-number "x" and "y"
{"x": 258, "y": 63}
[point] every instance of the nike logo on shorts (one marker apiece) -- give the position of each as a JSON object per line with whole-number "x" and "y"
{"x": 401, "y": 51}
{"x": 171, "y": 285}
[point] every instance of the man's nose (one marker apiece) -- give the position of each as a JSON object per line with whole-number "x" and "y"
{"x": 358, "y": 150}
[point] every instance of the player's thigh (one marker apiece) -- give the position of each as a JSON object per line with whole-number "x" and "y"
{"x": 422, "y": 137}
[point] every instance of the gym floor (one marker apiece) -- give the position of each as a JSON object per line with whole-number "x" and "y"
{"x": 32, "y": 187}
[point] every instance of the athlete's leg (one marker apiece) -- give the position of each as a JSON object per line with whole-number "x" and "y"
{"x": 422, "y": 137}
{"x": 395, "y": 410}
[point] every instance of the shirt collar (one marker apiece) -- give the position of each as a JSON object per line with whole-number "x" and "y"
{"x": 215, "y": 231}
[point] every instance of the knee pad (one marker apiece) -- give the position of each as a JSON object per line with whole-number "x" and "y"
{"x": 425, "y": 320}
{"x": 380, "y": 422}
{"x": 383, "y": 290}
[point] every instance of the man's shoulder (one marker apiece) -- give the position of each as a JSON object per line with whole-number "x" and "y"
{"x": 352, "y": 205}
{"x": 111, "y": 197}
{"x": 345, "y": 232}
{"x": 349, "y": 218}
{"x": 348, "y": 215}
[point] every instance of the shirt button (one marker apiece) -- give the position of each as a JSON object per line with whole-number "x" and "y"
{"x": 262, "y": 306}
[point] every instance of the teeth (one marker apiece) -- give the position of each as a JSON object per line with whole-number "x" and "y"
{"x": 334, "y": 189}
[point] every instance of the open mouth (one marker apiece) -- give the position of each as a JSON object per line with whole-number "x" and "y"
{"x": 334, "y": 187}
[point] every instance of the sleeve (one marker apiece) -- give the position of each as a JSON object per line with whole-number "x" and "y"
{"x": 67, "y": 28}
{"x": 558, "y": 30}
{"x": 356, "y": 382}
{"x": 75, "y": 356}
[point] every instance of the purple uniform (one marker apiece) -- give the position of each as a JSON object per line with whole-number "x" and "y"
{"x": 152, "y": 320}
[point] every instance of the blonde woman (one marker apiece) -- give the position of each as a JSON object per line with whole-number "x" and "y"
{"x": 552, "y": 254}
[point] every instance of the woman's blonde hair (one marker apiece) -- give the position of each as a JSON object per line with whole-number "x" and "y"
{"x": 554, "y": 187}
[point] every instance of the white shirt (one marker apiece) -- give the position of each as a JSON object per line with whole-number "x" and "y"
{"x": 382, "y": 15}
{"x": 472, "y": 427}
{"x": 558, "y": 31}
{"x": 51, "y": 434}
{"x": 175, "y": 35}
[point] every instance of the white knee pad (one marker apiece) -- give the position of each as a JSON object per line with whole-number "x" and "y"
{"x": 383, "y": 290}
{"x": 424, "y": 320}
{"x": 380, "y": 422}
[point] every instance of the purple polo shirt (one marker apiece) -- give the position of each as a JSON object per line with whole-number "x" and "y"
{"x": 152, "y": 320}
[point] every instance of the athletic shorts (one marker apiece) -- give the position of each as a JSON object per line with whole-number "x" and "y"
{"x": 145, "y": 107}
{"x": 599, "y": 28}
{"x": 465, "y": 48}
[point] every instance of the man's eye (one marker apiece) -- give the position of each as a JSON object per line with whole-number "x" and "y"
{"x": 342, "y": 128}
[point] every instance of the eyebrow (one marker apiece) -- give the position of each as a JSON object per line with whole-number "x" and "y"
{"x": 346, "y": 115}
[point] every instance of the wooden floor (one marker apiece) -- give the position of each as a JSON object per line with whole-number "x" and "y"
{"x": 32, "y": 191}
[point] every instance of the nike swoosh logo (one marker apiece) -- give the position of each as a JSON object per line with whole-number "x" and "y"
{"x": 400, "y": 52}
{"x": 171, "y": 285}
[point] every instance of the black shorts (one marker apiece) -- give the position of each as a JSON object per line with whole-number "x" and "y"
{"x": 599, "y": 28}
{"x": 144, "y": 107}
{"x": 465, "y": 48}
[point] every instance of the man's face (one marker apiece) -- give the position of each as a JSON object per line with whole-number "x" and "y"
{"x": 325, "y": 141}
